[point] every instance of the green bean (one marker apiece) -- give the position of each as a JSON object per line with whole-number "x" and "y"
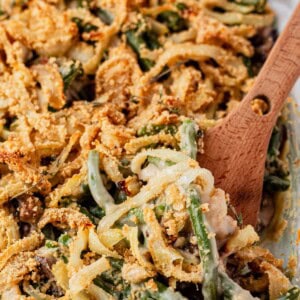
{"x": 70, "y": 73}
{"x": 181, "y": 6}
{"x": 152, "y": 129}
{"x": 104, "y": 16}
{"x": 291, "y": 294}
{"x": 151, "y": 39}
{"x": 86, "y": 212}
{"x": 248, "y": 63}
{"x": 64, "y": 239}
{"x": 84, "y": 27}
{"x": 137, "y": 40}
{"x": 50, "y": 232}
{"x": 51, "y": 109}
{"x": 51, "y": 244}
{"x": 134, "y": 40}
{"x": 275, "y": 141}
{"x": 145, "y": 63}
{"x": 172, "y": 20}
{"x": 232, "y": 291}
{"x": 112, "y": 282}
{"x": 147, "y": 38}
{"x": 98, "y": 191}
{"x": 207, "y": 246}
{"x": 274, "y": 183}
{"x": 188, "y": 135}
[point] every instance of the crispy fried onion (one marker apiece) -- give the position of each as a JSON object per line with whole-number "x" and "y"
{"x": 242, "y": 238}
{"x": 25, "y": 177}
{"x": 11, "y": 187}
{"x": 90, "y": 56}
{"x": 75, "y": 276}
{"x": 98, "y": 247}
{"x": 115, "y": 78}
{"x": 278, "y": 282}
{"x": 35, "y": 293}
{"x": 51, "y": 92}
{"x": 16, "y": 268}
{"x": 26, "y": 244}
{"x": 166, "y": 259}
{"x": 131, "y": 234}
{"x": 84, "y": 277}
{"x": 12, "y": 292}
{"x": 71, "y": 187}
{"x": 270, "y": 266}
{"x": 43, "y": 28}
{"x": 98, "y": 293}
{"x": 78, "y": 244}
{"x": 249, "y": 254}
{"x": 111, "y": 237}
{"x": 185, "y": 171}
{"x": 134, "y": 145}
{"x": 79, "y": 276}
{"x": 11, "y": 56}
{"x": 9, "y": 230}
{"x": 235, "y": 18}
{"x": 229, "y": 6}
{"x": 230, "y": 63}
{"x": 212, "y": 31}
{"x": 64, "y": 217}
{"x": 135, "y": 273}
{"x": 60, "y": 273}
{"x": 154, "y": 188}
{"x": 193, "y": 92}
{"x": 14, "y": 160}
{"x": 59, "y": 162}
{"x": 110, "y": 163}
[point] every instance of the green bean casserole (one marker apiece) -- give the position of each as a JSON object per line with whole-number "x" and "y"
{"x": 103, "y": 108}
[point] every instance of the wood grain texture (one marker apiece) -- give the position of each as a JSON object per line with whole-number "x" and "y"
{"x": 235, "y": 150}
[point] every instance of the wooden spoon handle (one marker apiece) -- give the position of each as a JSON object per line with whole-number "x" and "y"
{"x": 280, "y": 71}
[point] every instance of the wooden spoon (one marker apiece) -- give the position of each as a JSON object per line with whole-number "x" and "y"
{"x": 235, "y": 150}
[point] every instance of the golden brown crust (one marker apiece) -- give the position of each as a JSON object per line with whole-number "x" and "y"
{"x": 63, "y": 217}
{"x": 16, "y": 269}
